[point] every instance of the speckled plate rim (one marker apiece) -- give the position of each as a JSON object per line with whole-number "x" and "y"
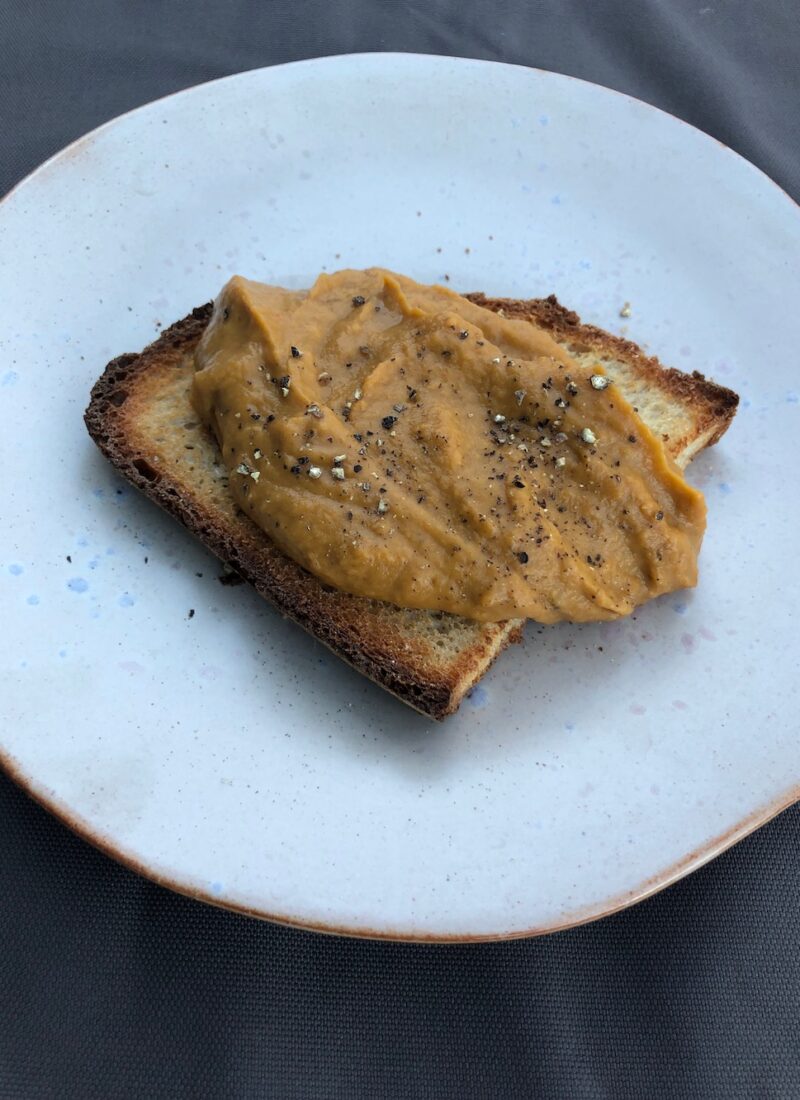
{"x": 648, "y": 887}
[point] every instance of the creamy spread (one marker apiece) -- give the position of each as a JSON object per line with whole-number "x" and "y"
{"x": 404, "y": 444}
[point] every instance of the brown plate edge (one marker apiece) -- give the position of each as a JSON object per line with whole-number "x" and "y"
{"x": 654, "y": 884}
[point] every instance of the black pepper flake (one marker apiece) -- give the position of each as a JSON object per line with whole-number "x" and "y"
{"x": 295, "y": 470}
{"x": 388, "y": 422}
{"x": 357, "y": 468}
{"x": 518, "y": 483}
{"x": 191, "y": 613}
{"x": 284, "y": 381}
{"x": 230, "y": 580}
{"x": 303, "y": 461}
{"x": 659, "y": 515}
{"x": 412, "y": 393}
{"x": 359, "y": 300}
{"x": 255, "y": 416}
{"x": 631, "y": 438}
{"x": 463, "y": 334}
{"x": 69, "y": 558}
{"x": 270, "y": 418}
{"x": 523, "y": 557}
{"x": 296, "y": 353}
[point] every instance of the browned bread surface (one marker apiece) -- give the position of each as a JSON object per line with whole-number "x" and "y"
{"x": 141, "y": 418}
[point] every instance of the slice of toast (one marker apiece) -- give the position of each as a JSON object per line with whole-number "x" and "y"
{"x": 141, "y": 418}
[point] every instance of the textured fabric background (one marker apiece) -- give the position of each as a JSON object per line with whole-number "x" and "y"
{"x": 112, "y": 987}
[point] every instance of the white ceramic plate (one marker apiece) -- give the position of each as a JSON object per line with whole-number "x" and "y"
{"x": 228, "y": 755}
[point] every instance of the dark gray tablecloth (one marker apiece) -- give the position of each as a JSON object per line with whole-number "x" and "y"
{"x": 113, "y": 987}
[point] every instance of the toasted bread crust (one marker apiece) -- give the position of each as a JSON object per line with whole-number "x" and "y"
{"x": 383, "y": 642}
